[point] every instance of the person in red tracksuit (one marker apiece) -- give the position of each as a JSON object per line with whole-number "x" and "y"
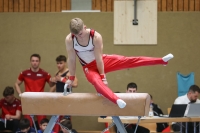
{"x": 87, "y": 44}
{"x": 11, "y": 110}
{"x": 34, "y": 80}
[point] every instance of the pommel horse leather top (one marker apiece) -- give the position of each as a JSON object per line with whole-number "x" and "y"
{"x": 83, "y": 104}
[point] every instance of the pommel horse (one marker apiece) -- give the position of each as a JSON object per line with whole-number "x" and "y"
{"x": 80, "y": 104}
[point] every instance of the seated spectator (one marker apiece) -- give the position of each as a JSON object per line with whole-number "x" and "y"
{"x": 43, "y": 124}
{"x": 11, "y": 110}
{"x": 25, "y": 126}
{"x": 158, "y": 112}
{"x": 66, "y": 123}
{"x": 189, "y": 98}
{"x": 132, "y": 88}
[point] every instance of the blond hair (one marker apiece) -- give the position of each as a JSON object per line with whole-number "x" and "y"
{"x": 76, "y": 25}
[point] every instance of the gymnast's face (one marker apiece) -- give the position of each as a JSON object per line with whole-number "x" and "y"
{"x": 131, "y": 90}
{"x": 82, "y": 33}
{"x": 61, "y": 65}
{"x": 35, "y": 62}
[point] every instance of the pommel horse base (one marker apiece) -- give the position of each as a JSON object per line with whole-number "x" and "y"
{"x": 80, "y": 104}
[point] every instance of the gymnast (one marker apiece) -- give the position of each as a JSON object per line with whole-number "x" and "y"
{"x": 87, "y": 44}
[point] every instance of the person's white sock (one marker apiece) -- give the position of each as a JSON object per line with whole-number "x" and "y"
{"x": 121, "y": 103}
{"x": 166, "y": 58}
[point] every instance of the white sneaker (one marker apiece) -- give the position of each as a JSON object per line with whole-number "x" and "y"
{"x": 121, "y": 103}
{"x": 166, "y": 58}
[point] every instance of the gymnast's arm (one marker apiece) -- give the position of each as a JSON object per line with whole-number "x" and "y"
{"x": 17, "y": 86}
{"x": 98, "y": 48}
{"x": 71, "y": 61}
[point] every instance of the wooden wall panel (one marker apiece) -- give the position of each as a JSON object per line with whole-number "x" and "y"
{"x": 5, "y": 5}
{"x": 27, "y": 6}
{"x": 37, "y": 5}
{"x": 180, "y": 5}
{"x": 164, "y": 5}
{"x": 112, "y": 8}
{"x": 175, "y": 5}
{"x": 68, "y": 4}
{"x": 169, "y": 5}
{"x": 191, "y": 5}
{"x": 11, "y": 6}
{"x": 109, "y": 5}
{"x": 53, "y": 5}
{"x": 102, "y": 5}
{"x": 32, "y": 6}
{"x": 42, "y": 5}
{"x": 98, "y": 5}
{"x": 64, "y": 5}
{"x": 1, "y": 5}
{"x": 159, "y": 5}
{"x": 58, "y": 5}
{"x": 197, "y": 4}
{"x": 145, "y": 32}
{"x": 186, "y": 5}
{"x": 48, "y": 5}
{"x": 21, "y": 5}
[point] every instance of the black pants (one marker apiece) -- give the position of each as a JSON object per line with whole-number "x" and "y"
{"x": 10, "y": 125}
{"x": 176, "y": 127}
{"x": 140, "y": 129}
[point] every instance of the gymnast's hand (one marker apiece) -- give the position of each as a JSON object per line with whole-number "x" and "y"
{"x": 69, "y": 83}
{"x": 104, "y": 80}
{"x": 70, "y": 80}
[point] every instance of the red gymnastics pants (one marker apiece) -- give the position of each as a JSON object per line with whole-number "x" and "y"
{"x": 113, "y": 63}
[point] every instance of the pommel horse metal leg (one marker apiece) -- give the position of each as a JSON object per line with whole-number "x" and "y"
{"x": 69, "y": 131}
{"x": 32, "y": 117}
{"x": 119, "y": 124}
{"x": 106, "y": 129}
{"x": 181, "y": 127}
{"x": 186, "y": 127}
{"x": 195, "y": 127}
{"x": 139, "y": 117}
{"x": 51, "y": 124}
